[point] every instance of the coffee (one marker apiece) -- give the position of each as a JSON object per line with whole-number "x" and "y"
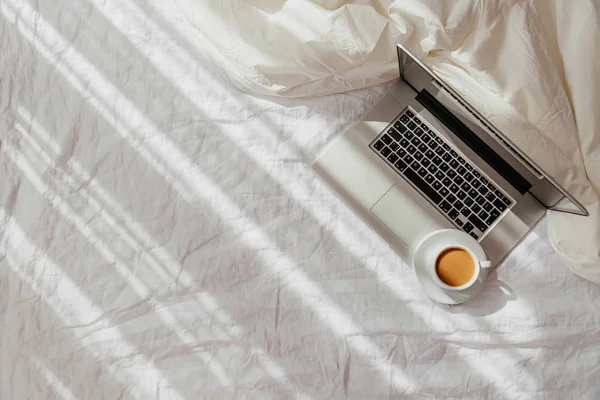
{"x": 455, "y": 267}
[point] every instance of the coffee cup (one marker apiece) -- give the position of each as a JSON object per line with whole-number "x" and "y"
{"x": 455, "y": 267}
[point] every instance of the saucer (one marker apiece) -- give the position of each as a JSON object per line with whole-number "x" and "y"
{"x": 446, "y": 237}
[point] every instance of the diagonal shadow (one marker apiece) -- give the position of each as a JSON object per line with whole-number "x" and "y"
{"x": 41, "y": 345}
{"x": 135, "y": 239}
{"x": 277, "y": 189}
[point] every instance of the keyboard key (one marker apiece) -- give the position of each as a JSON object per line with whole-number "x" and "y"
{"x": 445, "y": 206}
{"x": 446, "y": 147}
{"x": 422, "y": 172}
{"x": 479, "y": 224}
{"x": 488, "y": 207}
{"x": 422, "y": 148}
{"x": 411, "y": 149}
{"x": 483, "y": 180}
{"x": 461, "y": 161}
{"x": 404, "y": 119}
{"x": 469, "y": 201}
{"x": 465, "y": 186}
{"x": 423, "y": 126}
{"x": 454, "y": 153}
{"x": 446, "y": 157}
{"x": 454, "y": 163}
{"x": 458, "y": 205}
{"x": 468, "y": 177}
{"x": 426, "y": 138}
{"x": 444, "y": 167}
{"x": 453, "y": 213}
{"x": 483, "y": 215}
{"x": 506, "y": 201}
{"x": 468, "y": 167}
{"x": 476, "y": 208}
{"x": 429, "y": 154}
{"x": 433, "y": 144}
{"x": 483, "y": 190}
{"x": 412, "y": 126}
{"x": 480, "y": 200}
{"x": 461, "y": 195}
{"x": 386, "y": 139}
{"x": 458, "y": 180}
{"x": 401, "y": 152}
{"x": 399, "y": 127}
{"x": 432, "y": 169}
{"x": 476, "y": 183}
{"x": 394, "y": 146}
{"x": 473, "y": 193}
{"x": 409, "y": 135}
{"x": 453, "y": 188}
{"x": 419, "y": 132}
{"x": 409, "y": 113}
{"x": 429, "y": 178}
{"x": 451, "y": 173}
{"x": 418, "y": 156}
{"x": 423, "y": 186}
{"x": 379, "y": 145}
{"x": 415, "y": 141}
{"x": 409, "y": 159}
{"x": 465, "y": 211}
{"x": 451, "y": 198}
{"x": 447, "y": 182}
{"x": 440, "y": 175}
{"x": 459, "y": 222}
{"x": 392, "y": 158}
{"x": 385, "y": 151}
{"x": 468, "y": 227}
{"x": 400, "y": 165}
{"x": 444, "y": 192}
{"x": 404, "y": 143}
{"x": 490, "y": 220}
{"x": 474, "y": 235}
{"x": 415, "y": 165}
{"x": 499, "y": 194}
{"x": 461, "y": 170}
{"x": 477, "y": 174}
{"x": 439, "y": 151}
{"x": 495, "y": 213}
{"x": 436, "y": 185}
{"x": 500, "y": 205}
{"x": 490, "y": 197}
{"x": 425, "y": 162}
{"x": 439, "y": 140}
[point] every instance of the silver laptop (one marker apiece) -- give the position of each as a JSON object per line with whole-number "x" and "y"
{"x": 424, "y": 159}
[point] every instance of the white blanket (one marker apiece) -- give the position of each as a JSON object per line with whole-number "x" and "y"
{"x": 162, "y": 237}
{"x": 529, "y": 66}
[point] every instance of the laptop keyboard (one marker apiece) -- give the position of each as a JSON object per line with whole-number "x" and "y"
{"x": 451, "y": 182}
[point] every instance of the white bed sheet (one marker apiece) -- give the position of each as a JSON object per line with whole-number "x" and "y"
{"x": 163, "y": 237}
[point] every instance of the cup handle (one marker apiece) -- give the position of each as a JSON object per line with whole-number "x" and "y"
{"x": 485, "y": 264}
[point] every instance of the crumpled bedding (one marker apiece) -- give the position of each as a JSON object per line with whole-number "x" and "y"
{"x": 162, "y": 237}
{"x": 528, "y": 65}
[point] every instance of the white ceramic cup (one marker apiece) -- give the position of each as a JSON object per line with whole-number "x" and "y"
{"x": 479, "y": 264}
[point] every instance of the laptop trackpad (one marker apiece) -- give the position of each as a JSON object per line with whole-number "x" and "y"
{"x": 399, "y": 212}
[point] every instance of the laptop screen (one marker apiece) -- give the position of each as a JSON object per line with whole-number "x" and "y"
{"x": 542, "y": 187}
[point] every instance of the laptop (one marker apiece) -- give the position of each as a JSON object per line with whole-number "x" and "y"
{"x": 423, "y": 159}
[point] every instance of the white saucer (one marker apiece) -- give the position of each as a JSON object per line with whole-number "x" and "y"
{"x": 446, "y": 237}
